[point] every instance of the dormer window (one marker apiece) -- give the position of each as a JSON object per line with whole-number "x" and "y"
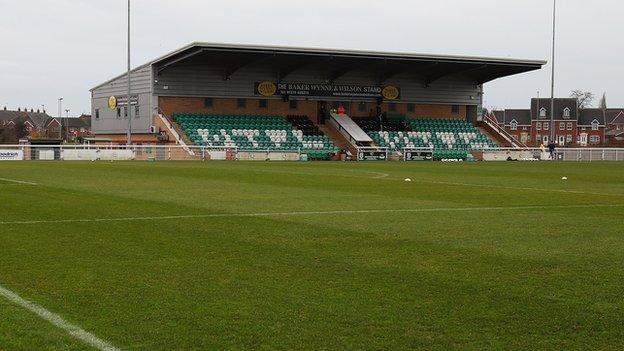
{"x": 542, "y": 112}
{"x": 566, "y": 112}
{"x": 514, "y": 125}
{"x": 595, "y": 125}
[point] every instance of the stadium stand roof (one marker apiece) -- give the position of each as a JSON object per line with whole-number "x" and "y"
{"x": 338, "y": 62}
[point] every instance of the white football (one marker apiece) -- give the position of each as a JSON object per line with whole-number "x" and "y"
{"x": 564, "y": 178}
{"x": 408, "y": 180}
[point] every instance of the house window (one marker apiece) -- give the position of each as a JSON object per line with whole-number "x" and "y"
{"x": 118, "y": 112}
{"x": 362, "y": 107}
{"x": 569, "y": 138}
{"x": 538, "y": 138}
{"x": 566, "y": 113}
{"x": 561, "y": 125}
{"x": 569, "y": 126}
{"x": 594, "y": 139}
{"x": 241, "y": 103}
{"x": 524, "y": 128}
{"x": 208, "y": 102}
{"x": 594, "y": 125}
{"x": 539, "y": 125}
{"x": 125, "y": 111}
{"x": 542, "y": 112}
{"x": 263, "y": 103}
{"x": 392, "y": 107}
{"x": 293, "y": 104}
{"x": 411, "y": 107}
{"x": 137, "y": 111}
{"x": 455, "y": 109}
{"x": 97, "y": 113}
{"x": 514, "y": 125}
{"x": 546, "y": 125}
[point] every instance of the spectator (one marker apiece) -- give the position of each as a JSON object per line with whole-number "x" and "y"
{"x": 551, "y": 149}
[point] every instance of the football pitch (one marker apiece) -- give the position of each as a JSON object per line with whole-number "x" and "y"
{"x": 311, "y": 256}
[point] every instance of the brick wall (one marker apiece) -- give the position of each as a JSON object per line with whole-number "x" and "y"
{"x": 275, "y": 107}
{"x": 309, "y": 108}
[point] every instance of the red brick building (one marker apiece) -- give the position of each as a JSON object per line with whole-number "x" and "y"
{"x": 567, "y": 125}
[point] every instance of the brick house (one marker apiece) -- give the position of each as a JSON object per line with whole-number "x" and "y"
{"x": 569, "y": 125}
{"x": 614, "y": 119}
{"x": 591, "y": 127}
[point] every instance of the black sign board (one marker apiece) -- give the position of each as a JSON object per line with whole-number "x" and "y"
{"x": 372, "y": 155}
{"x": 327, "y": 90}
{"x": 419, "y": 156}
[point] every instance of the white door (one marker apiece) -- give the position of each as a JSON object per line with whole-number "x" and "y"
{"x": 562, "y": 140}
{"x": 583, "y": 139}
{"x": 545, "y": 139}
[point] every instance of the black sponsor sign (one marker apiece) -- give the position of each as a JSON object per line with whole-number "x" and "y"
{"x": 371, "y": 156}
{"x": 327, "y": 90}
{"x": 419, "y": 156}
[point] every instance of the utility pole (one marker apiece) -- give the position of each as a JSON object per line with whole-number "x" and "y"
{"x": 60, "y": 117}
{"x": 552, "y": 79}
{"x": 67, "y": 124}
{"x": 129, "y": 114}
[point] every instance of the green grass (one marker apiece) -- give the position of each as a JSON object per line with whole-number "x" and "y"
{"x": 545, "y": 275}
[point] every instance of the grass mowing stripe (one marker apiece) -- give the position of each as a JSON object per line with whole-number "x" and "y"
{"x": 17, "y": 181}
{"x": 58, "y": 321}
{"x": 309, "y": 213}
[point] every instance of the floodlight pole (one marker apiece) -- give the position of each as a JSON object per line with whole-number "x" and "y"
{"x": 128, "y": 115}
{"x": 552, "y": 78}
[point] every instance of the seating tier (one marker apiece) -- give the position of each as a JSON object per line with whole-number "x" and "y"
{"x": 254, "y": 132}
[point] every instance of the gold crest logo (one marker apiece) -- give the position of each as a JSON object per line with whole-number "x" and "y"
{"x": 390, "y": 92}
{"x": 112, "y": 102}
{"x": 267, "y": 88}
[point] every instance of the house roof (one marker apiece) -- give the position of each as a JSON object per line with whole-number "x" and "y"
{"x": 522, "y": 117}
{"x": 560, "y": 105}
{"x": 38, "y": 119}
{"x": 499, "y": 115}
{"x": 74, "y": 122}
{"x": 615, "y": 116}
{"x": 482, "y": 69}
{"x": 587, "y": 116}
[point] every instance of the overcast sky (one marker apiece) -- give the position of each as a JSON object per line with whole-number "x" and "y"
{"x": 62, "y": 48}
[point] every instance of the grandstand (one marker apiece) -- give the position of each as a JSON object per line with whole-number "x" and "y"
{"x": 256, "y": 132}
{"x": 449, "y": 138}
{"x": 286, "y": 92}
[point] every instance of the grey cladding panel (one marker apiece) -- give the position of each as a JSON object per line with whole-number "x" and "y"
{"x": 140, "y": 83}
{"x": 208, "y": 81}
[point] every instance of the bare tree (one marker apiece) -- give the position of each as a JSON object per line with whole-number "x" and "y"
{"x": 585, "y": 98}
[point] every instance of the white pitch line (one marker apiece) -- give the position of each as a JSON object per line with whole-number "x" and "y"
{"x": 308, "y": 213}
{"x": 58, "y": 321}
{"x": 17, "y": 181}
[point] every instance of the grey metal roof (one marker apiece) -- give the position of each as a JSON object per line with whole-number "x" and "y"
{"x": 493, "y": 67}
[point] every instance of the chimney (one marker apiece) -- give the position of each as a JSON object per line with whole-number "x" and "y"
{"x": 19, "y": 109}
{"x": 5, "y": 108}
{"x": 38, "y": 111}
{"x": 32, "y": 110}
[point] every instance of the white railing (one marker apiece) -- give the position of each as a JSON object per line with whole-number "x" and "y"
{"x": 528, "y": 154}
{"x": 500, "y": 130}
{"x": 178, "y": 152}
{"x": 165, "y": 120}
